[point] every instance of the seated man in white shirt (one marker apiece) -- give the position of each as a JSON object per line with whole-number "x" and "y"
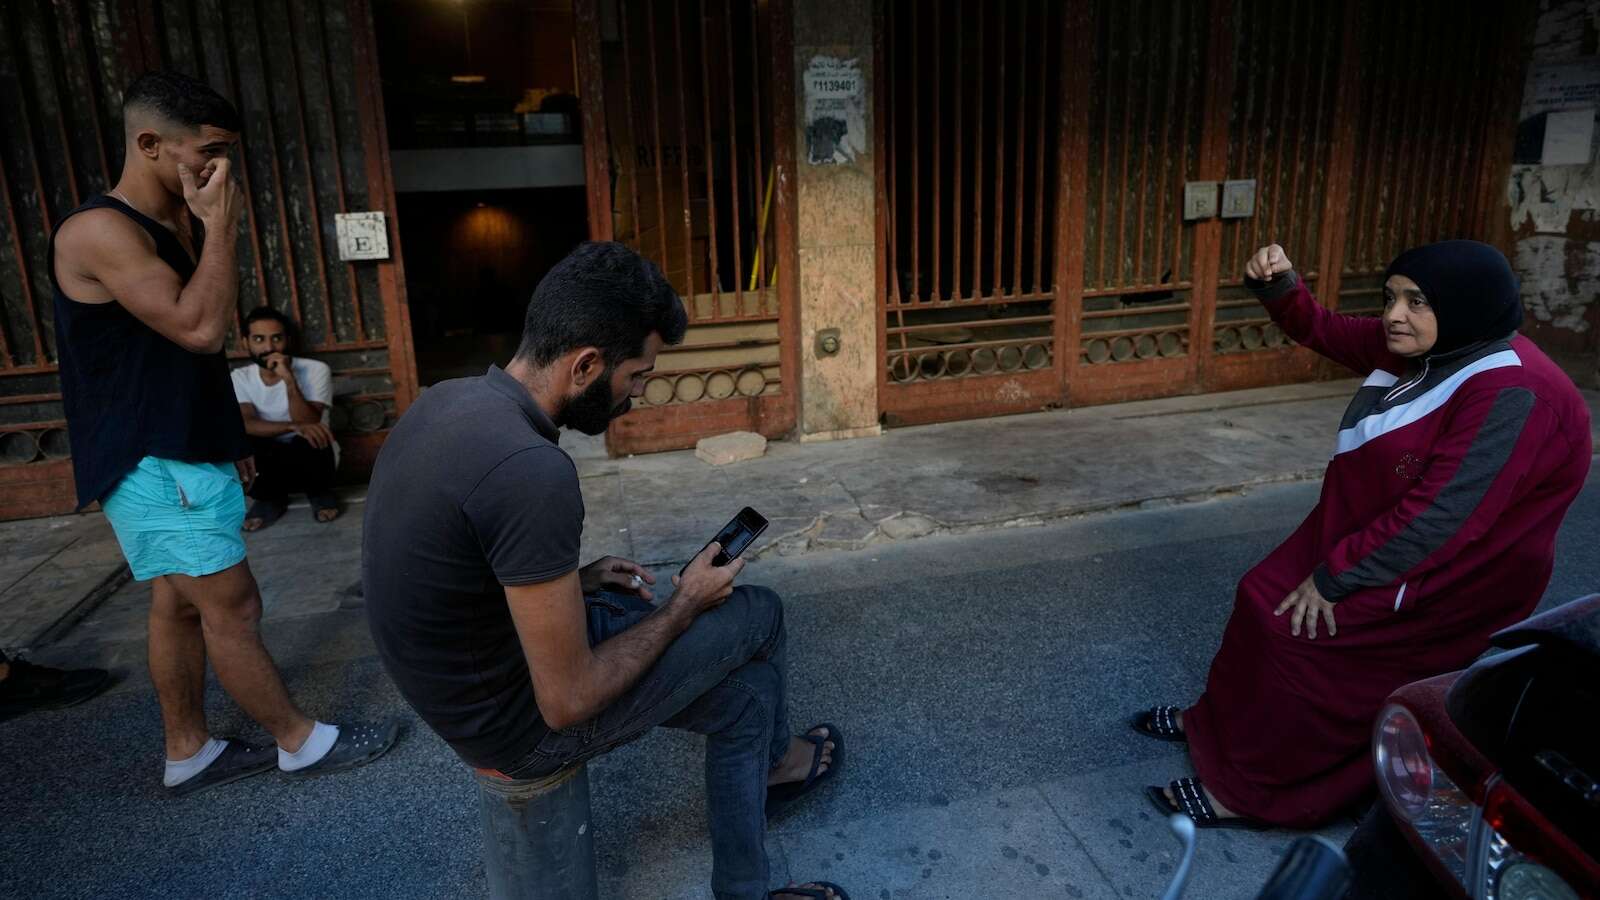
{"x": 284, "y": 401}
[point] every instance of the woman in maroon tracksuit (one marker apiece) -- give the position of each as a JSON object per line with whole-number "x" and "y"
{"x": 1453, "y": 467}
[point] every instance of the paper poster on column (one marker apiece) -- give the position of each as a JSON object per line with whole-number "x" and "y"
{"x": 1550, "y": 131}
{"x": 1568, "y": 137}
{"x": 1552, "y": 87}
{"x": 836, "y": 125}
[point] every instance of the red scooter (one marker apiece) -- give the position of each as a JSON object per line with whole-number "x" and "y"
{"x": 1490, "y": 777}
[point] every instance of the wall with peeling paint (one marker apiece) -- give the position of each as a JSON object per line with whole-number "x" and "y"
{"x": 1555, "y": 209}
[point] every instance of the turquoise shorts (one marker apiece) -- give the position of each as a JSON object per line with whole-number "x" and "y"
{"x": 178, "y": 518}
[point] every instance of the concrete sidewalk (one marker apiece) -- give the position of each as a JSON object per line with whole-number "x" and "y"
{"x": 659, "y": 509}
{"x": 963, "y": 476}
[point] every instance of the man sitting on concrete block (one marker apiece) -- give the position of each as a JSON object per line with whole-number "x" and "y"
{"x": 527, "y": 664}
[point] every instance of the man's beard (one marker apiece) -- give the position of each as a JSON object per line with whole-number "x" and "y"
{"x": 591, "y": 411}
{"x": 261, "y": 360}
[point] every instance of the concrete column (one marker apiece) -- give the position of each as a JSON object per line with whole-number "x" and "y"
{"x": 1552, "y": 234}
{"x": 833, "y": 87}
{"x": 537, "y": 843}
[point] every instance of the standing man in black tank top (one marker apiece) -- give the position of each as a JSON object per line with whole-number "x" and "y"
{"x": 145, "y": 291}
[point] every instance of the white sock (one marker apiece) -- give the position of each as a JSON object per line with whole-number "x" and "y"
{"x": 312, "y": 751}
{"x": 181, "y": 770}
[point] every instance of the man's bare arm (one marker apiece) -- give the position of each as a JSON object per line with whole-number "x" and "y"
{"x": 316, "y": 434}
{"x": 110, "y": 249}
{"x": 255, "y": 426}
{"x": 573, "y": 682}
{"x": 301, "y": 410}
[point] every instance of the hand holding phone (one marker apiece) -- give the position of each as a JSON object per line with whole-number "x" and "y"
{"x": 735, "y": 537}
{"x": 702, "y": 585}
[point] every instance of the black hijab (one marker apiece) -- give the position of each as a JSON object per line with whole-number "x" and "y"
{"x": 1471, "y": 288}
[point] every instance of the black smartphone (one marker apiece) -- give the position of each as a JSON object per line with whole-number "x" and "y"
{"x": 735, "y": 537}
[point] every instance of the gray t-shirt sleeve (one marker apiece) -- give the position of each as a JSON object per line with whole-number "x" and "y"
{"x": 527, "y": 513}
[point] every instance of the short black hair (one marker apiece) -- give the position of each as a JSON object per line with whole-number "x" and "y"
{"x": 178, "y": 98}
{"x": 291, "y": 331}
{"x": 602, "y": 295}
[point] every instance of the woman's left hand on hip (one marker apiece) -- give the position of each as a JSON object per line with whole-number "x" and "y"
{"x": 1307, "y": 603}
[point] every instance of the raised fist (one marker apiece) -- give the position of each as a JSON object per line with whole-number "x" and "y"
{"x": 1268, "y": 263}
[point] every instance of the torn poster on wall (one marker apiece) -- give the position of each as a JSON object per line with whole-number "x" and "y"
{"x": 836, "y": 125}
{"x": 1560, "y": 279}
{"x": 1547, "y": 197}
{"x": 1558, "y": 109}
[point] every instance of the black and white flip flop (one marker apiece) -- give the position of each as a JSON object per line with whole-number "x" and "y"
{"x": 1161, "y": 723}
{"x": 1192, "y": 802}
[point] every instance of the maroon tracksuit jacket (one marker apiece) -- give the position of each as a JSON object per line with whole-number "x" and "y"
{"x": 1436, "y": 527}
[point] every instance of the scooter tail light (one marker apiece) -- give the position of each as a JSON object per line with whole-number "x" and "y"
{"x": 1526, "y": 857}
{"x": 1419, "y": 793}
{"x": 1405, "y": 768}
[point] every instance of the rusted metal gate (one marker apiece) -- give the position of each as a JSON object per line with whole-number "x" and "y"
{"x": 688, "y": 135}
{"x": 1146, "y": 90}
{"x": 966, "y": 112}
{"x": 1286, "y": 110}
{"x": 1430, "y": 148}
{"x": 1033, "y": 159}
{"x": 1411, "y": 138}
{"x": 303, "y": 73}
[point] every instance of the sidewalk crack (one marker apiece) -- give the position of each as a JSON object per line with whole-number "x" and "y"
{"x": 1104, "y": 876}
{"x": 770, "y": 544}
{"x": 42, "y": 563}
{"x": 860, "y": 510}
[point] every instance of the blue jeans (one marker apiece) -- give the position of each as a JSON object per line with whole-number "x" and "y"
{"x": 723, "y": 678}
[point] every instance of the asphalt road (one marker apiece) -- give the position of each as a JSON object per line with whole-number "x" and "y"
{"x": 982, "y": 681}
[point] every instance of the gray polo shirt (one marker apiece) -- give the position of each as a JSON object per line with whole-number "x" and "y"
{"x": 469, "y": 493}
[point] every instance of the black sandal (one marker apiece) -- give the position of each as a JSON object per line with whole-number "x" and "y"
{"x": 321, "y": 502}
{"x": 780, "y": 797}
{"x": 1192, "y": 802}
{"x": 268, "y": 511}
{"x": 1161, "y": 723}
{"x": 819, "y": 892}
